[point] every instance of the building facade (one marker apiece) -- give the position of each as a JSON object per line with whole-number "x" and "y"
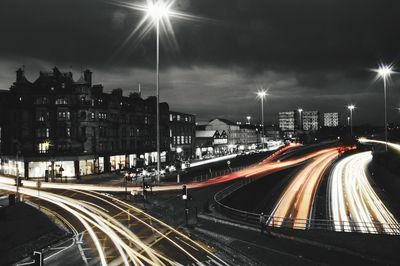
{"x": 311, "y": 120}
{"x": 248, "y": 137}
{"x": 182, "y": 135}
{"x": 56, "y": 126}
{"x": 288, "y": 122}
{"x": 210, "y": 143}
{"x": 231, "y": 129}
{"x": 331, "y": 119}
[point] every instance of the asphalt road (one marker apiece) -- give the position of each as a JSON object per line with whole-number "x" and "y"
{"x": 135, "y": 234}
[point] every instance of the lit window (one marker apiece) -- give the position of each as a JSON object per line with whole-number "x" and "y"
{"x": 42, "y": 100}
{"x": 178, "y": 118}
{"x": 68, "y": 132}
{"x": 170, "y": 117}
{"x": 60, "y": 101}
{"x": 64, "y": 115}
{"x": 43, "y": 147}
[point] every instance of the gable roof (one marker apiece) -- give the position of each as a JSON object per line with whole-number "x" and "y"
{"x": 226, "y": 121}
{"x": 205, "y": 133}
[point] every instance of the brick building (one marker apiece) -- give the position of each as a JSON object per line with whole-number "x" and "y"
{"x": 58, "y": 126}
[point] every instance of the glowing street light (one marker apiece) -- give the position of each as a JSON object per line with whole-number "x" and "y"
{"x": 384, "y": 72}
{"x": 261, "y": 94}
{"x": 157, "y": 13}
{"x": 300, "y": 112}
{"x": 248, "y": 119}
{"x": 351, "y": 108}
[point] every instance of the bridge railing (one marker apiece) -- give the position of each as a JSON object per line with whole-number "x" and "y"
{"x": 253, "y": 218}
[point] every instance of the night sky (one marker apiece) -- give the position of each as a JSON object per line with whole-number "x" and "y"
{"x": 316, "y": 54}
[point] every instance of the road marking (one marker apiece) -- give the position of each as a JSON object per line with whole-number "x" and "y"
{"x": 186, "y": 243}
{"x": 218, "y": 264}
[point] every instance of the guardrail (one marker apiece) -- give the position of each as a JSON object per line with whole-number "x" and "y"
{"x": 252, "y": 218}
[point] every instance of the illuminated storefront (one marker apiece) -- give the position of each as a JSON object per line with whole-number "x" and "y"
{"x": 87, "y": 167}
{"x": 150, "y": 158}
{"x": 132, "y": 160}
{"x": 9, "y": 167}
{"x": 39, "y": 169}
{"x": 117, "y": 162}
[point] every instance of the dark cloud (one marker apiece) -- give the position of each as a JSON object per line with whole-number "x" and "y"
{"x": 315, "y": 54}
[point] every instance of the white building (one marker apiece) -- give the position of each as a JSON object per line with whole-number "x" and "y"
{"x": 310, "y": 120}
{"x": 331, "y": 119}
{"x": 288, "y": 120}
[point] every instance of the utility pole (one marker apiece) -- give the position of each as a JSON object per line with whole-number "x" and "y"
{"x": 17, "y": 179}
{"x": 38, "y": 186}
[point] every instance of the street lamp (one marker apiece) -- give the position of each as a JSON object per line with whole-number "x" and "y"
{"x": 248, "y": 119}
{"x": 384, "y": 72}
{"x": 157, "y": 12}
{"x": 300, "y": 112}
{"x": 261, "y": 94}
{"x": 351, "y": 108}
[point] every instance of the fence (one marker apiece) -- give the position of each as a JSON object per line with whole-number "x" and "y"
{"x": 252, "y": 218}
{"x": 217, "y": 173}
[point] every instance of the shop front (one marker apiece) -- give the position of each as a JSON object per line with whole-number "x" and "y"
{"x": 117, "y": 162}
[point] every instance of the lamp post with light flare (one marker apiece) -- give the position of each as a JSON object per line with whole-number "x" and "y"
{"x": 261, "y": 94}
{"x": 248, "y": 119}
{"x": 351, "y": 108}
{"x": 384, "y": 73}
{"x": 158, "y": 13}
{"x": 300, "y": 112}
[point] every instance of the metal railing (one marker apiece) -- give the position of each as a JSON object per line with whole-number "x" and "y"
{"x": 217, "y": 173}
{"x": 253, "y": 218}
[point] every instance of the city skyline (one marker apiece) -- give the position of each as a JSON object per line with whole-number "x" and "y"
{"x": 306, "y": 56}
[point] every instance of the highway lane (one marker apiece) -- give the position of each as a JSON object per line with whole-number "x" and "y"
{"x": 118, "y": 233}
{"x": 353, "y": 203}
{"x": 295, "y": 205}
{"x": 267, "y": 166}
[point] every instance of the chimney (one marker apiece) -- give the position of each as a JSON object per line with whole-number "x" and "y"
{"x": 87, "y": 76}
{"x": 20, "y": 75}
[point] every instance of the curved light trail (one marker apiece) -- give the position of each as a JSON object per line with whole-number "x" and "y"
{"x": 295, "y": 205}
{"x": 128, "y": 248}
{"x": 390, "y": 144}
{"x": 353, "y": 203}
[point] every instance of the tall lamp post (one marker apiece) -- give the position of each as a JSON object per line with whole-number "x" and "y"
{"x": 351, "y": 108}
{"x": 301, "y": 121}
{"x": 158, "y": 14}
{"x": 261, "y": 94}
{"x": 384, "y": 73}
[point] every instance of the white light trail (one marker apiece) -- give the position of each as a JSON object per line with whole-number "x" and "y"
{"x": 353, "y": 203}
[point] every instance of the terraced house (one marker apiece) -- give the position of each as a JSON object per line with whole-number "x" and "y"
{"x": 56, "y": 126}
